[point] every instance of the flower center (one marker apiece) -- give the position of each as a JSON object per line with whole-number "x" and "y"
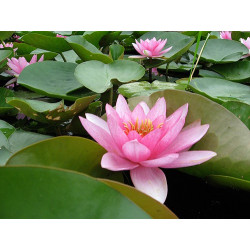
{"x": 143, "y": 128}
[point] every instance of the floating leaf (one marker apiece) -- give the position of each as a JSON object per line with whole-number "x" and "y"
{"x": 4, "y": 107}
{"x": 5, "y": 34}
{"x": 145, "y": 88}
{"x": 97, "y": 76}
{"x": 94, "y": 37}
{"x": 116, "y": 51}
{"x": 221, "y": 90}
{"x": 6, "y": 128}
{"x": 221, "y": 50}
{"x": 87, "y": 51}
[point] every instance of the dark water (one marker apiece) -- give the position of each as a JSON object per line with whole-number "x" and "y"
{"x": 192, "y": 198}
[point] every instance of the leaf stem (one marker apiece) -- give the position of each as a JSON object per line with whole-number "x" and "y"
{"x": 111, "y": 93}
{"x": 166, "y": 72}
{"x": 63, "y": 57}
{"x": 150, "y": 71}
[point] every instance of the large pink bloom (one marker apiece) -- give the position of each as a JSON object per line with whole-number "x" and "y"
{"x": 247, "y": 44}
{"x": 17, "y": 65}
{"x": 226, "y": 35}
{"x": 144, "y": 140}
{"x": 150, "y": 48}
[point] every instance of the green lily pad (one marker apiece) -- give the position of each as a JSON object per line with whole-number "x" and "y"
{"x": 49, "y": 112}
{"x": 5, "y": 34}
{"x": 50, "y": 43}
{"x": 98, "y": 76}
{"x": 116, "y": 51}
{"x": 145, "y": 88}
{"x": 227, "y": 135}
{"x": 6, "y": 128}
{"x": 221, "y": 50}
{"x": 46, "y": 193}
{"x": 238, "y": 71}
{"x": 4, "y": 107}
{"x": 54, "y": 79}
{"x": 4, "y": 54}
{"x": 221, "y": 90}
{"x": 66, "y": 152}
{"x": 181, "y": 43}
{"x": 241, "y": 110}
{"x": 94, "y": 37}
{"x": 209, "y": 73}
{"x": 23, "y": 48}
{"x": 178, "y": 67}
{"x": 86, "y": 50}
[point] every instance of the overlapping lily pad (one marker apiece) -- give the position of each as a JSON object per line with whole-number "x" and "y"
{"x": 54, "y": 79}
{"x": 86, "y": 50}
{"x": 94, "y": 37}
{"x": 145, "y": 88}
{"x": 4, "y": 107}
{"x": 116, "y": 51}
{"x": 97, "y": 76}
{"x": 181, "y": 43}
{"x": 227, "y": 135}
{"x": 221, "y": 90}
{"x": 221, "y": 50}
{"x": 49, "y": 112}
{"x": 238, "y": 71}
{"x": 50, "y": 43}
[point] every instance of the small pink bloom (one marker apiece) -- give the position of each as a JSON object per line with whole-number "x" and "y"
{"x": 58, "y": 35}
{"x": 16, "y": 37}
{"x": 150, "y": 48}
{"x": 17, "y": 65}
{"x": 247, "y": 44}
{"x": 7, "y": 45}
{"x": 226, "y": 35}
{"x": 145, "y": 140}
{"x": 155, "y": 72}
{"x": 21, "y": 116}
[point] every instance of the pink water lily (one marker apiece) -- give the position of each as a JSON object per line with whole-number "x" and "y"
{"x": 150, "y": 48}
{"x": 58, "y": 35}
{"x": 226, "y": 35}
{"x": 247, "y": 44}
{"x": 7, "y": 45}
{"x": 145, "y": 140}
{"x": 17, "y": 65}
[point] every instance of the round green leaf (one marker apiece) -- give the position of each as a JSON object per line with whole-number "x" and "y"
{"x": 238, "y": 71}
{"x": 154, "y": 208}
{"x": 241, "y": 110}
{"x": 227, "y": 135}
{"x": 49, "y": 112}
{"x": 146, "y": 88}
{"x": 4, "y": 107}
{"x": 50, "y": 43}
{"x": 221, "y": 50}
{"x": 221, "y": 90}
{"x": 46, "y": 193}
{"x": 181, "y": 43}
{"x": 66, "y": 152}
{"x": 54, "y": 79}
{"x": 98, "y": 76}
{"x": 86, "y": 50}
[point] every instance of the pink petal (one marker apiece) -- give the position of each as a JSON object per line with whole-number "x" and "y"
{"x": 196, "y": 123}
{"x": 191, "y": 158}
{"x": 145, "y": 107}
{"x": 147, "y": 52}
{"x": 151, "y": 181}
{"x": 122, "y": 106}
{"x": 160, "y": 162}
{"x": 160, "y": 47}
{"x": 114, "y": 162}
{"x": 135, "y": 151}
{"x": 41, "y": 58}
{"x": 100, "y": 135}
{"x": 158, "y": 109}
{"x": 138, "y": 114}
{"x": 166, "y": 50}
{"x": 116, "y": 131}
{"x": 139, "y": 57}
{"x": 151, "y": 139}
{"x": 33, "y": 59}
{"x": 132, "y": 135}
{"x": 111, "y": 111}
{"x": 97, "y": 121}
{"x": 187, "y": 138}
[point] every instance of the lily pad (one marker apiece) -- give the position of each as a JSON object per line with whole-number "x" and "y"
{"x": 241, "y": 110}
{"x": 145, "y": 88}
{"x": 94, "y": 37}
{"x": 221, "y": 50}
{"x": 5, "y": 34}
{"x": 6, "y": 128}
{"x": 29, "y": 192}
{"x": 86, "y": 50}
{"x": 209, "y": 73}
{"x": 98, "y": 76}
{"x": 4, "y": 54}
{"x": 49, "y": 112}
{"x": 238, "y": 71}
{"x": 116, "y": 51}
{"x": 50, "y": 43}
{"x": 227, "y": 135}
{"x": 4, "y": 107}
{"x": 181, "y": 43}
{"x": 54, "y": 79}
{"x": 221, "y": 90}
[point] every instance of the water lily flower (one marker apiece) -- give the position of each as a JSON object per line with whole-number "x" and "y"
{"x": 226, "y": 35}
{"x": 247, "y": 44}
{"x": 17, "y": 65}
{"x": 58, "y": 35}
{"x": 150, "y": 48}
{"x": 155, "y": 71}
{"x": 7, "y": 45}
{"x": 145, "y": 140}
